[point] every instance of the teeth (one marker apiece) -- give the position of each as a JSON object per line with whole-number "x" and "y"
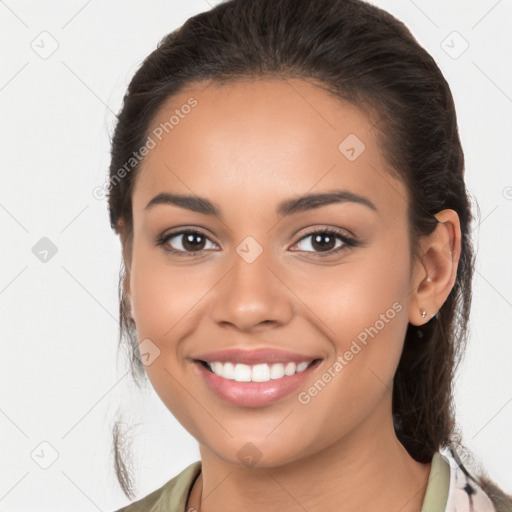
{"x": 290, "y": 368}
{"x": 260, "y": 373}
{"x": 256, "y": 373}
{"x": 276, "y": 371}
{"x": 302, "y": 366}
{"x": 242, "y": 373}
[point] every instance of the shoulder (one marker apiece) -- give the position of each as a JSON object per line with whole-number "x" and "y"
{"x": 473, "y": 493}
{"x": 173, "y": 493}
{"x": 502, "y": 502}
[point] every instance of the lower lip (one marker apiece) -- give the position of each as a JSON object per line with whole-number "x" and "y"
{"x": 254, "y": 394}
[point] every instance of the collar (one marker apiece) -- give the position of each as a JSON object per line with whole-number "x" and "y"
{"x": 465, "y": 494}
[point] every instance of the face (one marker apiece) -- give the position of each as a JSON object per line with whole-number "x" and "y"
{"x": 326, "y": 279}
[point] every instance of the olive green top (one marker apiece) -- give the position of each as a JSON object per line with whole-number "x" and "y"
{"x": 173, "y": 495}
{"x": 438, "y": 486}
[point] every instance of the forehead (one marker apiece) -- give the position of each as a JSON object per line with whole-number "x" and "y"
{"x": 264, "y": 139}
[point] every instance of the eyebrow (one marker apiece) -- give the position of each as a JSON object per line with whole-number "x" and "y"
{"x": 288, "y": 207}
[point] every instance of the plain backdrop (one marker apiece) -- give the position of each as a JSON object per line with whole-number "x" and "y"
{"x": 64, "y": 69}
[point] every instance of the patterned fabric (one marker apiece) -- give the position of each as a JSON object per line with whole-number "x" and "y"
{"x": 465, "y": 495}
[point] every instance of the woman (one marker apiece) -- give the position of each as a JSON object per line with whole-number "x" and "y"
{"x": 287, "y": 181}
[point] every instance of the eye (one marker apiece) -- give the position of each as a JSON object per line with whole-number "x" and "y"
{"x": 190, "y": 241}
{"x": 323, "y": 242}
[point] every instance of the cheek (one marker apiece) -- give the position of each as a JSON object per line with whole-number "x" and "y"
{"x": 368, "y": 290}
{"x": 364, "y": 315}
{"x": 163, "y": 296}
{"x": 163, "y": 300}
{"x": 362, "y": 308}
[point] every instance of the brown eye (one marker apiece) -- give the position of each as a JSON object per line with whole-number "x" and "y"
{"x": 187, "y": 242}
{"x": 192, "y": 241}
{"x": 324, "y": 242}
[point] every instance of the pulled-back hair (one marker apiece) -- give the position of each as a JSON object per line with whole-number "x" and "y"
{"x": 366, "y": 57}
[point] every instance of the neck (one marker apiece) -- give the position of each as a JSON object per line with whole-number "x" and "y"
{"x": 358, "y": 473}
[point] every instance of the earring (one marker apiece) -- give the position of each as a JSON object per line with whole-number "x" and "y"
{"x": 423, "y": 313}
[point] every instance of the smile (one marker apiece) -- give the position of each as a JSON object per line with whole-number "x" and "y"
{"x": 255, "y": 385}
{"x": 255, "y": 373}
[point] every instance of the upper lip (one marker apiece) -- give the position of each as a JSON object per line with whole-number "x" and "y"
{"x": 255, "y": 356}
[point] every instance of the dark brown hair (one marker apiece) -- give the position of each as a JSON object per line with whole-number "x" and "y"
{"x": 364, "y": 56}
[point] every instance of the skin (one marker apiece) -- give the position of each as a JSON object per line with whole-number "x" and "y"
{"x": 247, "y": 146}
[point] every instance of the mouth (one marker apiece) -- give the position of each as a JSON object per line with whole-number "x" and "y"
{"x": 258, "y": 384}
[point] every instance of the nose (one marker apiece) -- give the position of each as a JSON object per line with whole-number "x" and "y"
{"x": 253, "y": 296}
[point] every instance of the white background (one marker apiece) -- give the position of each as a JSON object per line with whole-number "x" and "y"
{"x": 59, "y": 379}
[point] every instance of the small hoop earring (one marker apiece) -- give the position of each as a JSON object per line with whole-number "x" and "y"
{"x": 423, "y": 313}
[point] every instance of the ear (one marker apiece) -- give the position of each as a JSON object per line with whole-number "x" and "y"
{"x": 436, "y": 271}
{"x": 127, "y": 295}
{"x": 126, "y": 285}
{"x": 126, "y": 252}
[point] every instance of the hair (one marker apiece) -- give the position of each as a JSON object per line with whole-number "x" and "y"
{"x": 368, "y": 58}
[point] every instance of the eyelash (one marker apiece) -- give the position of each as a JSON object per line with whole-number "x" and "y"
{"x": 348, "y": 242}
